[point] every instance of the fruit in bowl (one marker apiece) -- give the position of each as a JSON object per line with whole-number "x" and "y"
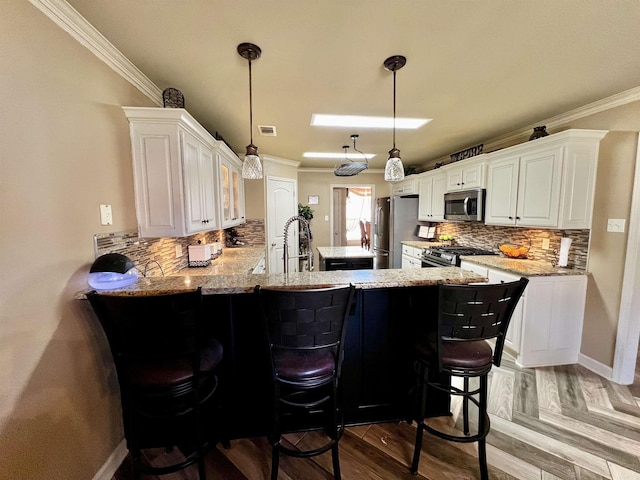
{"x": 513, "y": 251}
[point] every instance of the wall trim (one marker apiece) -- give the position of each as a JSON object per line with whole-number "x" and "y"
{"x": 281, "y": 161}
{"x": 330, "y": 170}
{"x": 626, "y": 352}
{"x": 522, "y": 134}
{"x": 68, "y": 18}
{"x": 595, "y": 366}
{"x": 109, "y": 468}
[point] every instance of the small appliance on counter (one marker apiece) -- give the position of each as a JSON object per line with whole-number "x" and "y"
{"x": 199, "y": 255}
{"x": 216, "y": 250}
{"x": 112, "y": 270}
{"x": 232, "y": 239}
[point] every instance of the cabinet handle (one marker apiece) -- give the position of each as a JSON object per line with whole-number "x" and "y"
{"x": 510, "y": 218}
{"x": 517, "y": 218}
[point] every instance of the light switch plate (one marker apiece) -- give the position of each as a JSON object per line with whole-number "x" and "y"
{"x": 616, "y": 225}
{"x": 106, "y": 215}
{"x": 545, "y": 244}
{"x": 178, "y": 251}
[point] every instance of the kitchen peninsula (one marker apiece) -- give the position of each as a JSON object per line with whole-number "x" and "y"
{"x": 377, "y": 371}
{"x": 344, "y": 258}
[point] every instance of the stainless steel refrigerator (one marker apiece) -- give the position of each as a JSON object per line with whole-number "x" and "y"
{"x": 395, "y": 219}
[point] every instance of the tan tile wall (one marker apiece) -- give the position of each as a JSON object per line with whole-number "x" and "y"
{"x": 490, "y": 236}
{"x": 157, "y": 256}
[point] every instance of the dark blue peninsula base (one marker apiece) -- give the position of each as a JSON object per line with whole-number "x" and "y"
{"x": 377, "y": 374}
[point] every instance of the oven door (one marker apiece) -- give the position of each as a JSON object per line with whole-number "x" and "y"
{"x": 429, "y": 261}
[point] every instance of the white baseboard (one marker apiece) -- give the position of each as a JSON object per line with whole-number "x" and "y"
{"x": 108, "y": 470}
{"x": 595, "y": 366}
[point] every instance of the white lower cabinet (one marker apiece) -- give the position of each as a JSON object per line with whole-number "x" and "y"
{"x": 411, "y": 257}
{"x": 546, "y": 327}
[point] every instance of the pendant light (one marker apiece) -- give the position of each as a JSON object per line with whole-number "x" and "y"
{"x": 394, "y": 170}
{"x": 349, "y": 168}
{"x": 251, "y": 167}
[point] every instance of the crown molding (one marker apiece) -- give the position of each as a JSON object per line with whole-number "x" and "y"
{"x": 330, "y": 170}
{"x": 68, "y": 18}
{"x": 522, "y": 134}
{"x": 281, "y": 161}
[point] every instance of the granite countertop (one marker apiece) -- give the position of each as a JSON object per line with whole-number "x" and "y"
{"x": 527, "y": 268}
{"x": 344, "y": 252}
{"x": 233, "y": 261}
{"x": 245, "y": 283}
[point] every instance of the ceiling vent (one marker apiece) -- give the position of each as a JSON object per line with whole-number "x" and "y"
{"x": 267, "y": 130}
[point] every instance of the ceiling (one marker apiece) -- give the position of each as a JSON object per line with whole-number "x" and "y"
{"x": 480, "y": 69}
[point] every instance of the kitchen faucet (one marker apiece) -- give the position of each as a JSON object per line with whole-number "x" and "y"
{"x": 305, "y": 224}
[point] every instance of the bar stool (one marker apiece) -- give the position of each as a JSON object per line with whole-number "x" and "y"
{"x": 467, "y": 316}
{"x": 166, "y": 368}
{"x": 305, "y": 330}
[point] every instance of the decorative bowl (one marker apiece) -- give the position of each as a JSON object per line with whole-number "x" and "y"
{"x": 513, "y": 250}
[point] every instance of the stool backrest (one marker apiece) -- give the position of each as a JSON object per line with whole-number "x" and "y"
{"x": 151, "y": 327}
{"x": 307, "y": 319}
{"x": 478, "y": 312}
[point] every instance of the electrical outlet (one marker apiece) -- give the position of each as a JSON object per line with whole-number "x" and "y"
{"x": 616, "y": 225}
{"x": 326, "y": 218}
{"x": 545, "y": 244}
{"x": 106, "y": 215}
{"x": 178, "y": 251}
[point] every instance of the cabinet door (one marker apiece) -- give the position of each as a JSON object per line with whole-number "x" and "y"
{"x": 157, "y": 177}
{"x": 466, "y": 177}
{"x": 198, "y": 185}
{"x": 438, "y": 190}
{"x": 540, "y": 179}
{"x": 425, "y": 196}
{"x": 553, "y": 317}
{"x": 431, "y": 192}
{"x": 231, "y": 189}
{"x": 473, "y": 176}
{"x": 502, "y": 192}
{"x": 514, "y": 332}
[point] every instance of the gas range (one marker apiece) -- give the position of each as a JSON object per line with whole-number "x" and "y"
{"x": 442, "y": 256}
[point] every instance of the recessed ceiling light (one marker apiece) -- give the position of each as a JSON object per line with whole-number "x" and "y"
{"x": 333, "y": 155}
{"x": 361, "y": 121}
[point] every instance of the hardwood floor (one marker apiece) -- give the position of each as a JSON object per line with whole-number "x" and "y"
{"x": 546, "y": 424}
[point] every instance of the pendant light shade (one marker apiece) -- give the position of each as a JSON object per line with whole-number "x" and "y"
{"x": 252, "y": 167}
{"x": 394, "y": 170}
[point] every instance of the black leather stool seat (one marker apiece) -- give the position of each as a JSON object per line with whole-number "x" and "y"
{"x": 168, "y": 373}
{"x": 304, "y": 366}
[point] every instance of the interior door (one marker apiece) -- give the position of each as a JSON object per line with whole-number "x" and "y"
{"x": 281, "y": 204}
{"x": 339, "y": 237}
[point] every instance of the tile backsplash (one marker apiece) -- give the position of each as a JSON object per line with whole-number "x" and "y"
{"x": 157, "y": 256}
{"x": 490, "y": 236}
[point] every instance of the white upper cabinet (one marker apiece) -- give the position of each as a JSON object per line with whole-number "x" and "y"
{"x": 174, "y": 173}
{"x": 199, "y": 185}
{"x": 431, "y": 190}
{"x": 231, "y": 187}
{"x": 406, "y": 187}
{"x": 548, "y": 182}
{"x": 467, "y": 174}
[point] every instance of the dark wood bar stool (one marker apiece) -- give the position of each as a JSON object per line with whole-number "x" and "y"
{"x": 166, "y": 368}
{"x": 305, "y": 330}
{"x": 467, "y": 316}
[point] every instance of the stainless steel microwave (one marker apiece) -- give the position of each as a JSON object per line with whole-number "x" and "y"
{"x": 465, "y": 206}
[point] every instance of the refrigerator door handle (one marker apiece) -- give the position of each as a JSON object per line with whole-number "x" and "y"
{"x": 377, "y": 220}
